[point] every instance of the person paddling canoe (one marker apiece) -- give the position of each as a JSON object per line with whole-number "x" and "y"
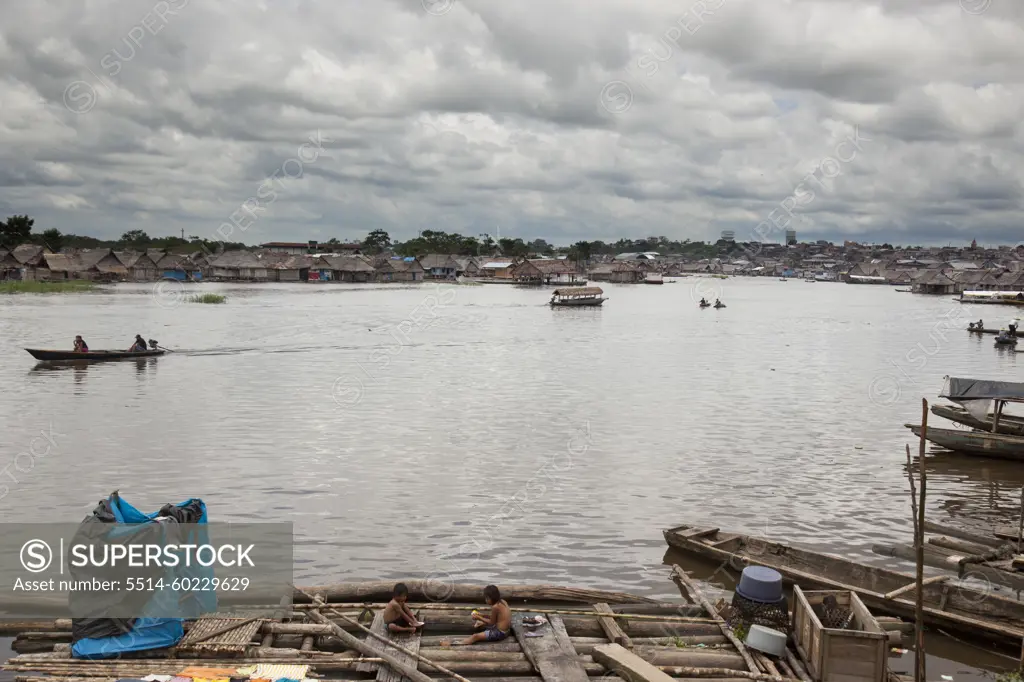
{"x": 139, "y": 345}
{"x": 80, "y": 345}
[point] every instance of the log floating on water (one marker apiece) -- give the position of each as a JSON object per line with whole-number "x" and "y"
{"x": 420, "y": 590}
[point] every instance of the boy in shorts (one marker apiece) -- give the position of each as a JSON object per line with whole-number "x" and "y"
{"x": 497, "y": 625}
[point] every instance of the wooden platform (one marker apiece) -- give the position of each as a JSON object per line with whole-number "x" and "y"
{"x": 680, "y": 640}
{"x": 549, "y": 649}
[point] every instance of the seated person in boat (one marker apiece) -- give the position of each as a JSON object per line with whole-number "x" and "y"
{"x": 703, "y": 301}
{"x": 397, "y": 615}
{"x": 80, "y": 345}
{"x": 497, "y": 624}
{"x": 139, "y": 345}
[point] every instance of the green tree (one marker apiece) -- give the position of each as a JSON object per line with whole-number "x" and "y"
{"x": 16, "y": 230}
{"x": 376, "y": 241}
{"x": 513, "y": 247}
{"x": 580, "y": 252}
{"x": 487, "y": 244}
{"x": 135, "y": 238}
{"x": 53, "y": 239}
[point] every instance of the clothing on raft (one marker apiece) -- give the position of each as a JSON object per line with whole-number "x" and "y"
{"x": 494, "y": 634}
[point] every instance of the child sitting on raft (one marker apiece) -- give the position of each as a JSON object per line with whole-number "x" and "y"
{"x": 497, "y": 625}
{"x": 397, "y": 615}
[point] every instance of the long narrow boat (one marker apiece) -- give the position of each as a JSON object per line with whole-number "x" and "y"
{"x": 1008, "y": 424}
{"x": 577, "y": 296}
{"x": 997, "y": 445}
{"x": 91, "y": 356}
{"x": 950, "y": 606}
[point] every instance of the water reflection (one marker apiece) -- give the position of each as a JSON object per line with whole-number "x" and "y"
{"x": 80, "y": 368}
{"x": 973, "y": 491}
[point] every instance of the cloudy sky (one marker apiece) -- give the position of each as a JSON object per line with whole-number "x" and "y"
{"x": 893, "y": 120}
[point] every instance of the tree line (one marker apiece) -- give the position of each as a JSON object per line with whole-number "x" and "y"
{"x": 17, "y": 229}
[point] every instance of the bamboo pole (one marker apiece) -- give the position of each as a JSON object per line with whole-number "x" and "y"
{"x": 395, "y": 664}
{"x": 687, "y": 584}
{"x": 919, "y": 654}
{"x": 677, "y": 671}
{"x": 797, "y": 666}
{"x": 366, "y": 649}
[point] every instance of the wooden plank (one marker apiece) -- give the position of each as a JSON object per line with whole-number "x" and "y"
{"x": 939, "y": 557}
{"x": 374, "y": 644}
{"x": 628, "y": 665}
{"x": 411, "y": 642}
{"x": 913, "y": 585}
{"x": 551, "y": 654}
{"x": 611, "y": 628}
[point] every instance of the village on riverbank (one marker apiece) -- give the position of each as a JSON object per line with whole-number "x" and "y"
{"x": 923, "y": 270}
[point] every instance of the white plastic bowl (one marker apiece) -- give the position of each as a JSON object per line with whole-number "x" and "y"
{"x": 766, "y": 640}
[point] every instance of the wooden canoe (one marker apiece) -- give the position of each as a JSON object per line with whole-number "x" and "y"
{"x": 953, "y": 607}
{"x": 91, "y": 356}
{"x": 998, "y": 445}
{"x": 1008, "y": 424}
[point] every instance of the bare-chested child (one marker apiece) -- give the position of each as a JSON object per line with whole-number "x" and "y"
{"x": 497, "y": 624}
{"x": 397, "y": 615}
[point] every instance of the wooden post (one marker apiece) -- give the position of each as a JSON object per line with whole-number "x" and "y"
{"x": 995, "y": 417}
{"x": 913, "y": 493}
{"x": 919, "y": 654}
{"x": 1020, "y": 528}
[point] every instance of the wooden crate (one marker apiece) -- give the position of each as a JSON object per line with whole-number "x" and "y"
{"x": 859, "y": 654}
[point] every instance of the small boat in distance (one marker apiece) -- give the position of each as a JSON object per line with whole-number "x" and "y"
{"x": 1005, "y": 339}
{"x": 577, "y": 297}
{"x": 719, "y": 304}
{"x": 90, "y": 356}
{"x": 95, "y": 355}
{"x": 991, "y": 297}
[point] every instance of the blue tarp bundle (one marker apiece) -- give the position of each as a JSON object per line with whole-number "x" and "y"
{"x": 106, "y": 637}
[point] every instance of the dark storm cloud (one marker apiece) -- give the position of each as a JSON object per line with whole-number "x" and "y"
{"x": 564, "y": 120}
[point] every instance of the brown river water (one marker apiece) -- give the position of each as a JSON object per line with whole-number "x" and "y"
{"x": 472, "y": 433}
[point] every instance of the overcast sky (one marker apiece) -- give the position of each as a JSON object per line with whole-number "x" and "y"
{"x": 561, "y": 119}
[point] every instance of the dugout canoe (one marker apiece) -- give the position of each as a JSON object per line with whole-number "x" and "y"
{"x": 1008, "y": 424}
{"x": 953, "y": 606}
{"x": 980, "y": 443}
{"x": 91, "y": 356}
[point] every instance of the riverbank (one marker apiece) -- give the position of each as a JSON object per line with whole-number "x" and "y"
{"x": 33, "y": 287}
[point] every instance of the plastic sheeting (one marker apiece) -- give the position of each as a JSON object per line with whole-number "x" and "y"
{"x": 965, "y": 390}
{"x": 114, "y": 520}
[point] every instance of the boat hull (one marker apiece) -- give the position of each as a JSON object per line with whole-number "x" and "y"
{"x": 953, "y": 607}
{"x": 997, "y": 445}
{"x": 91, "y": 356}
{"x": 595, "y": 303}
{"x": 1009, "y": 425}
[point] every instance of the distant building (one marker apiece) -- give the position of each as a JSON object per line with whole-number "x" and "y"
{"x": 790, "y": 237}
{"x": 728, "y": 236}
{"x": 299, "y": 248}
{"x": 646, "y": 255}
